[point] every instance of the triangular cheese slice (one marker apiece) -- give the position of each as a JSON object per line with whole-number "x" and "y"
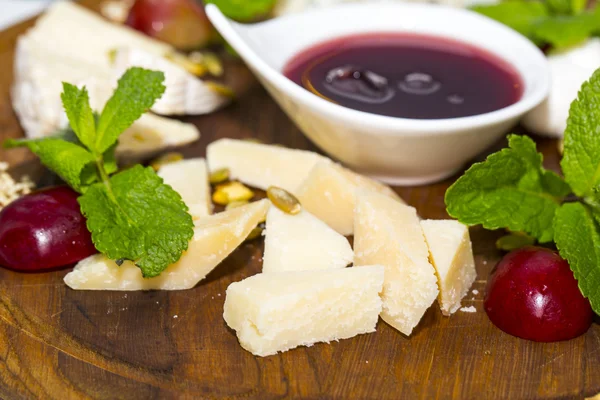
{"x": 302, "y": 242}
{"x": 452, "y": 256}
{"x": 261, "y": 165}
{"x": 215, "y": 237}
{"x": 329, "y": 193}
{"x": 388, "y": 233}
{"x": 189, "y": 178}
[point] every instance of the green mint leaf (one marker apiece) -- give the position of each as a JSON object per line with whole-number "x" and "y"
{"x": 110, "y": 160}
{"x": 135, "y": 216}
{"x": 136, "y": 92}
{"x": 581, "y": 159}
{"x": 577, "y": 238}
{"x": 520, "y": 15}
{"x": 567, "y": 30}
{"x": 510, "y": 189}
{"x": 74, "y": 164}
{"x": 566, "y": 7}
{"x": 577, "y": 6}
{"x": 514, "y": 241}
{"x": 76, "y": 103}
{"x": 244, "y": 10}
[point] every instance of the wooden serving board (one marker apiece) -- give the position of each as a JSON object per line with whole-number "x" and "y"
{"x": 57, "y": 343}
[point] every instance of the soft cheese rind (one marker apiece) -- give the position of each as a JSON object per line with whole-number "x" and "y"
{"x": 262, "y": 165}
{"x": 302, "y": 242}
{"x": 189, "y": 178}
{"x": 452, "y": 256}
{"x": 185, "y": 94}
{"x": 215, "y": 237}
{"x": 329, "y": 193}
{"x": 39, "y": 74}
{"x": 388, "y": 233}
{"x": 282, "y": 310}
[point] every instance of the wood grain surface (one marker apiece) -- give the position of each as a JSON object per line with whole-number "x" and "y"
{"x": 56, "y": 343}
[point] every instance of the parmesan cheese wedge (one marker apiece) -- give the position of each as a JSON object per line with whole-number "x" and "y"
{"x": 452, "y": 256}
{"x": 282, "y": 310}
{"x": 189, "y": 178}
{"x": 185, "y": 94}
{"x": 388, "y": 233}
{"x": 329, "y": 193}
{"x": 215, "y": 237}
{"x": 302, "y": 242}
{"x": 262, "y": 165}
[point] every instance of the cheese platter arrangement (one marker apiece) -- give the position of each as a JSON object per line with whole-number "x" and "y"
{"x": 182, "y": 221}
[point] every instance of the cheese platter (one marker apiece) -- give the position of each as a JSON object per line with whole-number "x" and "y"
{"x": 239, "y": 315}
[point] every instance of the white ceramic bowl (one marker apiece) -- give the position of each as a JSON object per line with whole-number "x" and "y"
{"x": 396, "y": 150}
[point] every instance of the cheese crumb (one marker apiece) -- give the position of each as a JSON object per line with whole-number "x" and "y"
{"x": 469, "y": 309}
{"x": 475, "y": 292}
{"x": 10, "y": 190}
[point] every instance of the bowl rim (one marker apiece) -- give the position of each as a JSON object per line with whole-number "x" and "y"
{"x": 381, "y": 123}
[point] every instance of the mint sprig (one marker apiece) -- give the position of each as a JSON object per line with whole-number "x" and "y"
{"x": 558, "y": 23}
{"x": 512, "y": 190}
{"x": 137, "y": 217}
{"x": 131, "y": 214}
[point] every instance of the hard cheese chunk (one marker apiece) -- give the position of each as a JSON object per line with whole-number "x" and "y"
{"x": 262, "y": 165}
{"x": 189, "y": 178}
{"x": 282, "y": 310}
{"x": 215, "y": 237}
{"x": 302, "y": 242}
{"x": 452, "y": 256}
{"x": 329, "y": 193}
{"x": 388, "y": 233}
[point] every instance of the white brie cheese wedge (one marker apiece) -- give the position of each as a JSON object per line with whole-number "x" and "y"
{"x": 261, "y": 165}
{"x": 38, "y": 77}
{"x": 185, "y": 94}
{"x": 302, "y": 242}
{"x": 329, "y": 193}
{"x": 39, "y": 74}
{"x": 189, "y": 178}
{"x": 215, "y": 237}
{"x": 282, "y": 310}
{"x": 76, "y": 33}
{"x": 388, "y": 233}
{"x": 452, "y": 256}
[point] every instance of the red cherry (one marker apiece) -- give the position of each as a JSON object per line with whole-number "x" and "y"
{"x": 44, "y": 230}
{"x": 533, "y": 295}
{"x": 181, "y": 23}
